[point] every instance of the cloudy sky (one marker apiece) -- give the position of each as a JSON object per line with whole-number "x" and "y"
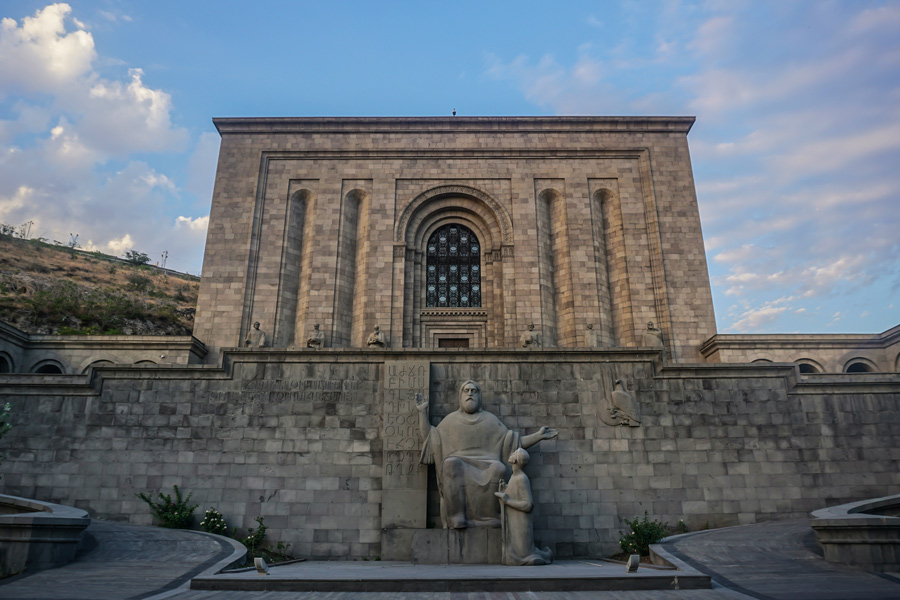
{"x": 105, "y": 111}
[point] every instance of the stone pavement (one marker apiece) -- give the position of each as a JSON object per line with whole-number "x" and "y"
{"x": 765, "y": 561}
{"x": 119, "y": 561}
{"x": 778, "y": 560}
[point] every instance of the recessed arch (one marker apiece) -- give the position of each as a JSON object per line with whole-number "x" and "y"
{"x": 808, "y": 366}
{"x": 463, "y": 197}
{"x": 146, "y": 362}
{"x": 49, "y": 367}
{"x": 97, "y": 363}
{"x": 6, "y": 363}
{"x": 860, "y": 365}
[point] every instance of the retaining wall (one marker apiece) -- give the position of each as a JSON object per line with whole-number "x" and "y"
{"x": 297, "y": 437}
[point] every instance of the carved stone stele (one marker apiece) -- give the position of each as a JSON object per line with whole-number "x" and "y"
{"x": 620, "y": 407}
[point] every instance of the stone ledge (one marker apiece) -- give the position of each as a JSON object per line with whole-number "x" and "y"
{"x": 864, "y": 534}
{"x": 38, "y": 535}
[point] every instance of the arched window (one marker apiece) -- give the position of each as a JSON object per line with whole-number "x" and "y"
{"x": 453, "y": 268}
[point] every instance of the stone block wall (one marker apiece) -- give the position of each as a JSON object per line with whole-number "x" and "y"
{"x": 74, "y": 354}
{"x": 823, "y": 352}
{"x": 296, "y": 437}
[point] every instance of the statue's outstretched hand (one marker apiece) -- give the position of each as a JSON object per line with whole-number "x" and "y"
{"x": 421, "y": 403}
{"x": 548, "y": 433}
{"x": 504, "y": 497}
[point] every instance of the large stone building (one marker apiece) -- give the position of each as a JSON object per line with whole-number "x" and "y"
{"x": 454, "y": 235}
{"x": 568, "y": 222}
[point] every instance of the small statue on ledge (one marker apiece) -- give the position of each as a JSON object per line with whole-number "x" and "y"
{"x": 316, "y": 338}
{"x": 530, "y": 338}
{"x": 376, "y": 339}
{"x": 653, "y": 337}
{"x": 591, "y": 336}
{"x": 256, "y": 337}
{"x": 517, "y": 521}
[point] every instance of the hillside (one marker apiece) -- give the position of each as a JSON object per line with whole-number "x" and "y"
{"x": 54, "y": 290}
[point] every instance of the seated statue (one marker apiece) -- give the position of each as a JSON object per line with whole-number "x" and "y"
{"x": 530, "y": 338}
{"x": 518, "y": 523}
{"x": 256, "y": 337}
{"x": 376, "y": 339}
{"x": 653, "y": 337}
{"x": 316, "y": 338}
{"x": 468, "y": 448}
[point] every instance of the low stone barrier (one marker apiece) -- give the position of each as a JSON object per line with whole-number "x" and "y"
{"x": 37, "y": 535}
{"x": 864, "y": 534}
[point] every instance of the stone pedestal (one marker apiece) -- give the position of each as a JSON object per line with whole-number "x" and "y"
{"x": 472, "y": 546}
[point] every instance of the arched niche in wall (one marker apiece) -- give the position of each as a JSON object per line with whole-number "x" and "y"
{"x": 145, "y": 362}
{"x": 423, "y": 326}
{"x": 860, "y": 365}
{"x": 6, "y": 363}
{"x": 292, "y": 293}
{"x": 351, "y": 283}
{"x": 97, "y": 363}
{"x": 556, "y": 290}
{"x": 808, "y": 366}
{"x": 49, "y": 367}
{"x": 610, "y": 268}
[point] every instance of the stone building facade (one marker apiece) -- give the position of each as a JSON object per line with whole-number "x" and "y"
{"x": 576, "y": 221}
{"x": 813, "y": 353}
{"x": 570, "y": 222}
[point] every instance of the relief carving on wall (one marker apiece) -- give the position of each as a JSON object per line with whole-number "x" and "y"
{"x": 620, "y": 407}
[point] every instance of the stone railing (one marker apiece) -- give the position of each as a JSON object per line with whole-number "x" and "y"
{"x": 865, "y": 534}
{"x": 37, "y": 535}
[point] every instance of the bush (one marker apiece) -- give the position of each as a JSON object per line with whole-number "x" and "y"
{"x": 640, "y": 534}
{"x": 174, "y": 514}
{"x": 139, "y": 282}
{"x": 255, "y": 544}
{"x": 214, "y": 522}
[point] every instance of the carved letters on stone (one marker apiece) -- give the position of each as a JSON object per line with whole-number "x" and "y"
{"x": 405, "y": 479}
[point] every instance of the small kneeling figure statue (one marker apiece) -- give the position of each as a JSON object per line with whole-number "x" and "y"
{"x": 518, "y": 522}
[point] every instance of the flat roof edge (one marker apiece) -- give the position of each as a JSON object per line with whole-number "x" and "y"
{"x": 450, "y": 124}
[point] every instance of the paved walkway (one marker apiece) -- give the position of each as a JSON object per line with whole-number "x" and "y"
{"x": 766, "y": 561}
{"x": 779, "y": 560}
{"x": 119, "y": 561}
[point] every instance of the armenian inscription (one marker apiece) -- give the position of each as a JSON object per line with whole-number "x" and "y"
{"x": 404, "y": 480}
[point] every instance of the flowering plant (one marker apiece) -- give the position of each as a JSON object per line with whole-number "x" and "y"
{"x": 642, "y": 533}
{"x": 214, "y": 522}
{"x": 175, "y": 514}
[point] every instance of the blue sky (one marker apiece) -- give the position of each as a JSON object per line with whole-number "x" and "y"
{"x": 105, "y": 111}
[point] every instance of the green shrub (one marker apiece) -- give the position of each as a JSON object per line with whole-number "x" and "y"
{"x": 255, "y": 543}
{"x": 640, "y": 534}
{"x": 139, "y": 282}
{"x": 174, "y": 514}
{"x": 214, "y": 522}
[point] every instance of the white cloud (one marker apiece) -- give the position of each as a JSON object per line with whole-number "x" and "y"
{"x": 198, "y": 225}
{"x": 40, "y": 56}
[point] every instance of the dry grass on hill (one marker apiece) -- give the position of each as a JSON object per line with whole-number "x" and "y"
{"x": 53, "y": 290}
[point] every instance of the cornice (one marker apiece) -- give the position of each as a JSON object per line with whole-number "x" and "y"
{"x": 244, "y": 125}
